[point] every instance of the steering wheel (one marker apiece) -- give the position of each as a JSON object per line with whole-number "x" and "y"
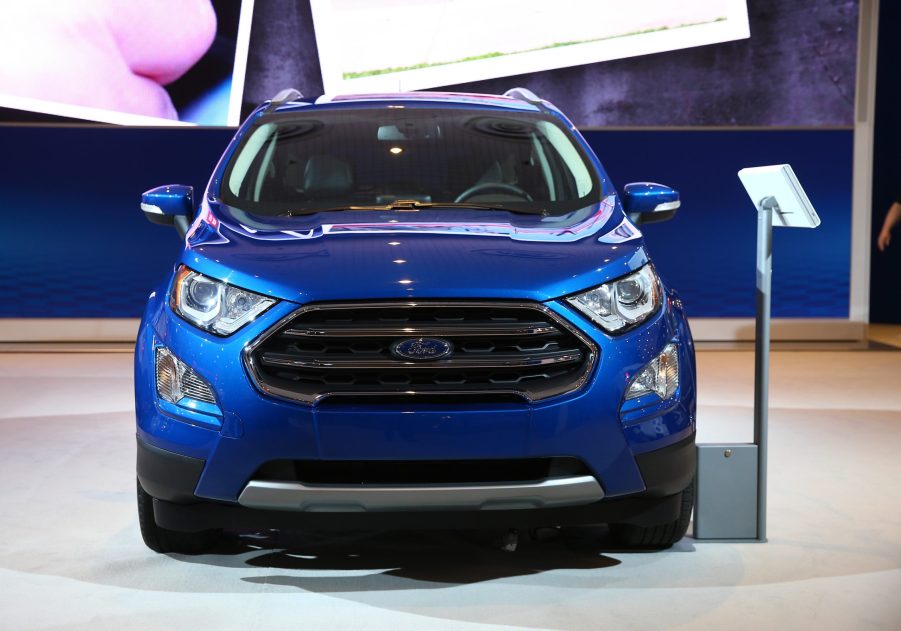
{"x": 484, "y": 187}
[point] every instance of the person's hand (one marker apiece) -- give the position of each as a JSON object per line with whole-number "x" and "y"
{"x": 885, "y": 238}
{"x": 109, "y": 54}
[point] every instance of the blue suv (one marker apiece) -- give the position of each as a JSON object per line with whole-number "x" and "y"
{"x": 407, "y": 311}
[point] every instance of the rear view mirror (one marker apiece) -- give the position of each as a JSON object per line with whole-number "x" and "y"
{"x": 170, "y": 205}
{"x": 647, "y": 202}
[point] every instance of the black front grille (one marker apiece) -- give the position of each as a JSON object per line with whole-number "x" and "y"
{"x": 346, "y": 350}
{"x": 420, "y": 471}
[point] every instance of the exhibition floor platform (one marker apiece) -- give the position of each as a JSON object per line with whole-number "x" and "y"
{"x": 71, "y": 556}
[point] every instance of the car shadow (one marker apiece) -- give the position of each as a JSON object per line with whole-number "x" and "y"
{"x": 417, "y": 559}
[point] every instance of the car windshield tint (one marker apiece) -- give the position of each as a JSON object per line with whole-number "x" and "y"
{"x": 303, "y": 162}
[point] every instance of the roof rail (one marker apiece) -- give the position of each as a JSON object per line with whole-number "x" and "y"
{"x": 523, "y": 94}
{"x": 288, "y": 94}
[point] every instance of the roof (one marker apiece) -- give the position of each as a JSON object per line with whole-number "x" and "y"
{"x": 456, "y": 98}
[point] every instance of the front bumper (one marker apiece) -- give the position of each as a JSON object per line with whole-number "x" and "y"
{"x": 220, "y": 452}
{"x": 667, "y": 471}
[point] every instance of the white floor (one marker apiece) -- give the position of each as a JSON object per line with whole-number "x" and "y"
{"x": 71, "y": 556}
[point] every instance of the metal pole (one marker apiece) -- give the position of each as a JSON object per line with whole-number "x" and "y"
{"x": 762, "y": 351}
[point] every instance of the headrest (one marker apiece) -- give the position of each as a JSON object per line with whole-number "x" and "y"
{"x": 327, "y": 176}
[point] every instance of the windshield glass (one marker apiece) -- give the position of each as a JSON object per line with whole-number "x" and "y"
{"x": 303, "y": 162}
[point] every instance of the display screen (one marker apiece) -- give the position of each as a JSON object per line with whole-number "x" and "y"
{"x": 641, "y": 63}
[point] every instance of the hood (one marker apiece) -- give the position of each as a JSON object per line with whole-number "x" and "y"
{"x": 432, "y": 253}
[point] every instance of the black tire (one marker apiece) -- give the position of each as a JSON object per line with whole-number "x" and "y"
{"x": 659, "y": 535}
{"x": 164, "y": 540}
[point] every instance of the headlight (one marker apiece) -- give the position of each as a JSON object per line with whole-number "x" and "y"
{"x": 213, "y": 305}
{"x": 659, "y": 376}
{"x": 621, "y": 303}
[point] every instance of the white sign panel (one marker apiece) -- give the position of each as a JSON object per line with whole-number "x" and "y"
{"x": 793, "y": 209}
{"x": 368, "y": 46}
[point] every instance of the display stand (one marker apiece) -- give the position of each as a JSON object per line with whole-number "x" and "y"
{"x": 731, "y": 493}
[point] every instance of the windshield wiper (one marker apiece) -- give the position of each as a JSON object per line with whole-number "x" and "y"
{"x": 329, "y": 209}
{"x": 413, "y": 205}
{"x": 522, "y": 211}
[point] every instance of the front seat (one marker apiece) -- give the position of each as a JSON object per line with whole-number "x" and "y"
{"x": 326, "y": 177}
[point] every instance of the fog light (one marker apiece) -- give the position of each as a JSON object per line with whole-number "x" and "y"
{"x": 660, "y": 376}
{"x": 175, "y": 380}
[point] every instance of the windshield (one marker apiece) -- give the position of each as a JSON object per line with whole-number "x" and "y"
{"x": 402, "y": 157}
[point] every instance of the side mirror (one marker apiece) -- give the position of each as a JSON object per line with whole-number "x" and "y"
{"x": 171, "y": 205}
{"x": 647, "y": 202}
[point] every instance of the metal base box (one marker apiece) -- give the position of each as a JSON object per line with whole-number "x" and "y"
{"x": 726, "y": 493}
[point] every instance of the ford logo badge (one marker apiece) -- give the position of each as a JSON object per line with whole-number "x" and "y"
{"x": 422, "y": 348}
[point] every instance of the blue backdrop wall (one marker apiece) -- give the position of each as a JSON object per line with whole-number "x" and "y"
{"x": 75, "y": 244}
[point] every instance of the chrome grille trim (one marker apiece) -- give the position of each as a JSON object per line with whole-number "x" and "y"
{"x": 552, "y": 321}
{"x": 498, "y": 329}
{"x": 512, "y": 361}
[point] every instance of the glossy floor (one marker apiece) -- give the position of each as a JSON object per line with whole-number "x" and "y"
{"x": 71, "y": 556}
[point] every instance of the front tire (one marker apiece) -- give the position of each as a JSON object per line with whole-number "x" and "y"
{"x": 657, "y": 536}
{"x": 164, "y": 540}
